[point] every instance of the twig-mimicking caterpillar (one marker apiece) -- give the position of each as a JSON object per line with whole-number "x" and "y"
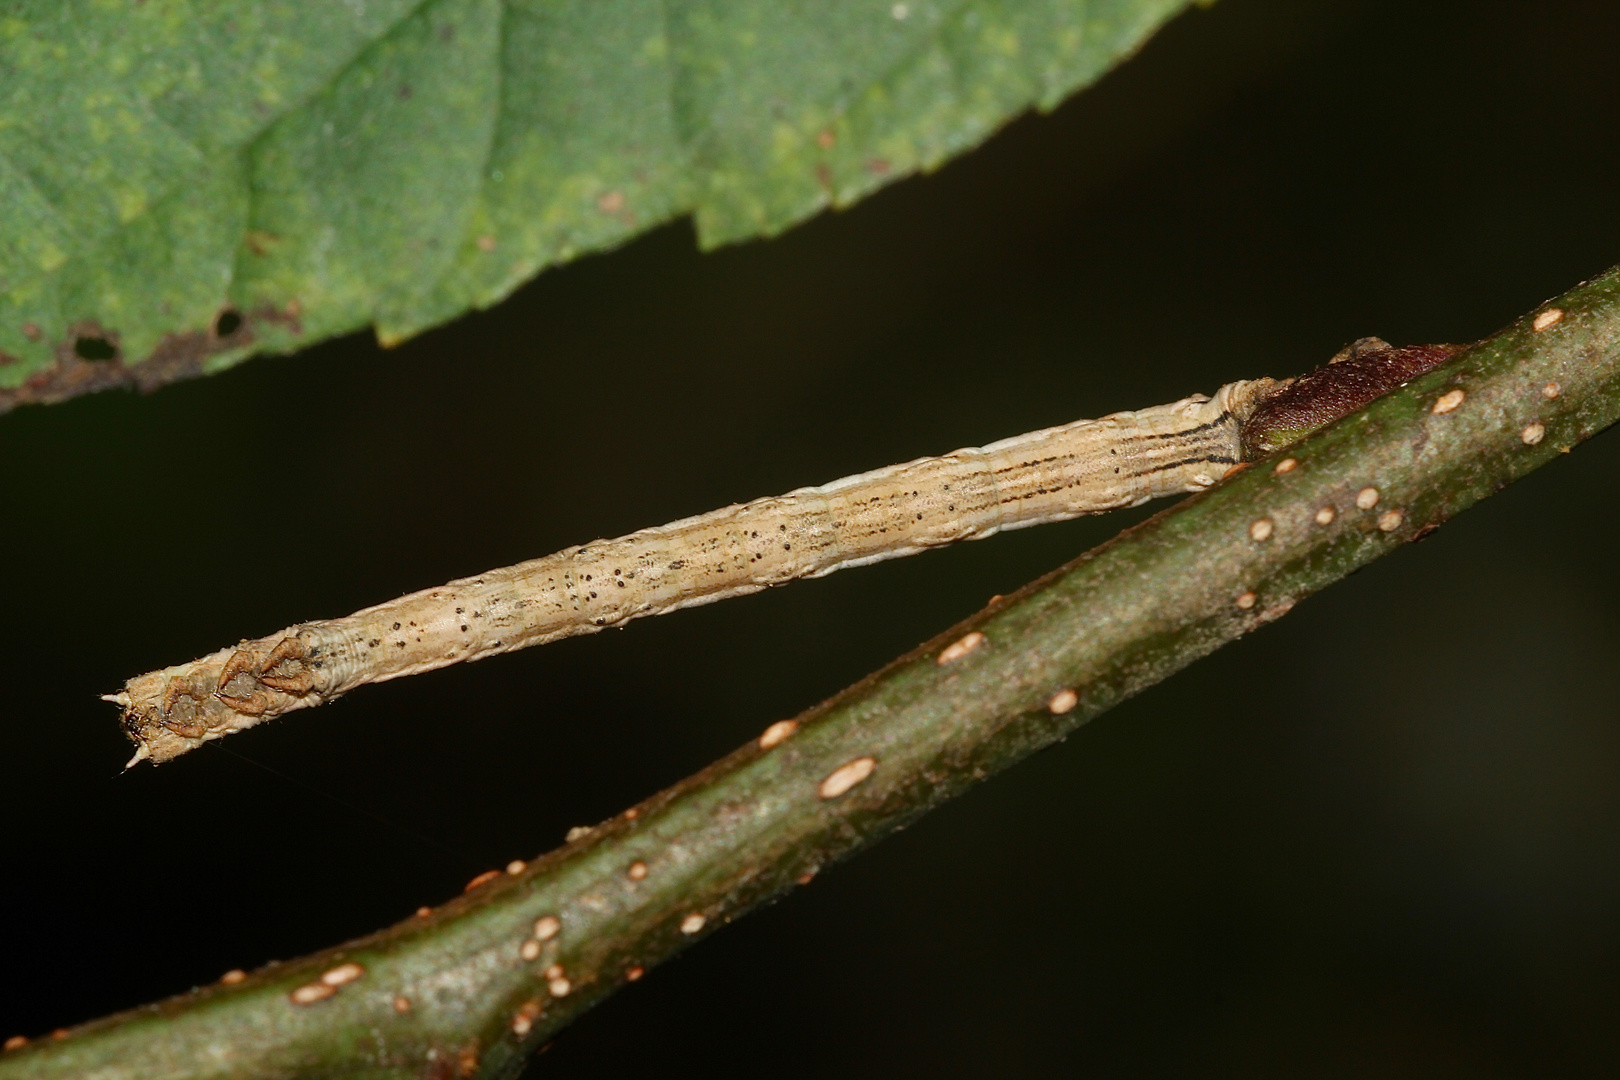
{"x": 1086, "y": 467}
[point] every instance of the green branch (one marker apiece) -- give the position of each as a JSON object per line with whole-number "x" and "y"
{"x": 472, "y": 988}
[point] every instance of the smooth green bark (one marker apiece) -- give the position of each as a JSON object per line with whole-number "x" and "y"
{"x": 746, "y": 829}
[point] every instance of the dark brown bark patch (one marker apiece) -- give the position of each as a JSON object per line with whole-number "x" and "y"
{"x": 1362, "y": 373}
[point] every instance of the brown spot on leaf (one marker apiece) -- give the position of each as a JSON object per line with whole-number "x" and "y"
{"x": 180, "y": 355}
{"x": 260, "y": 242}
{"x": 824, "y": 177}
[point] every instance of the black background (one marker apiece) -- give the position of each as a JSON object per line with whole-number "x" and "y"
{"x": 1378, "y": 838}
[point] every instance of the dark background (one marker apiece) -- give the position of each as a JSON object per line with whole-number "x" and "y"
{"x": 1380, "y": 838}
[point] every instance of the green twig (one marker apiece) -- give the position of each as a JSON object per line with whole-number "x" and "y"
{"x": 471, "y": 989}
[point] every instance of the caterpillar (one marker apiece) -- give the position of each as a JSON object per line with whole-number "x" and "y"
{"x": 1055, "y": 474}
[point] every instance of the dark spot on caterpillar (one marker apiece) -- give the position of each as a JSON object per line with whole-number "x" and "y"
{"x": 460, "y": 610}
{"x": 1217, "y": 422}
{"x": 678, "y": 564}
{"x": 621, "y": 584}
{"x": 396, "y": 626}
{"x": 401, "y": 644}
{"x": 787, "y": 547}
{"x": 463, "y": 628}
{"x": 1361, "y": 373}
{"x": 374, "y": 642}
{"x": 1213, "y": 458}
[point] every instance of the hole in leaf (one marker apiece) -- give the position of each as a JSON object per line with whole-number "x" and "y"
{"x": 228, "y": 323}
{"x": 95, "y": 348}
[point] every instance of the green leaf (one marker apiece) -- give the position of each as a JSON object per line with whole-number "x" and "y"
{"x": 185, "y": 184}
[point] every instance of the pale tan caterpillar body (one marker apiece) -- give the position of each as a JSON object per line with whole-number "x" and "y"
{"x": 1085, "y": 467}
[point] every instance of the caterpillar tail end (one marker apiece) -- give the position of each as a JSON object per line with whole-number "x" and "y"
{"x": 169, "y": 712}
{"x": 160, "y": 717}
